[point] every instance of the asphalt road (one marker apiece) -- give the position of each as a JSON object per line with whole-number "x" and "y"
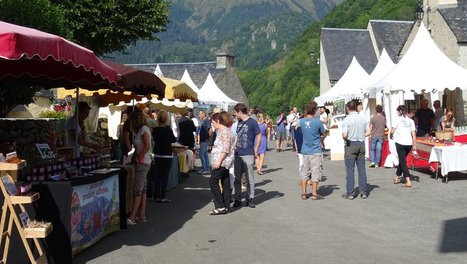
{"x": 424, "y": 224}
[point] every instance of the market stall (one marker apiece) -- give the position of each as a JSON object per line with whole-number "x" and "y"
{"x": 83, "y": 210}
{"x": 38, "y": 58}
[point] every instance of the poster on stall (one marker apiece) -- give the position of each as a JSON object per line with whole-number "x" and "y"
{"x": 95, "y": 209}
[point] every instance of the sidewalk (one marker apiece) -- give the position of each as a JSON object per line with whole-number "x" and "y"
{"x": 424, "y": 224}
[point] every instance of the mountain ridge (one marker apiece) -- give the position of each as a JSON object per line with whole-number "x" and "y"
{"x": 199, "y": 28}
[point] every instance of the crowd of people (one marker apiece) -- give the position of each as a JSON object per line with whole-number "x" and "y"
{"x": 238, "y": 144}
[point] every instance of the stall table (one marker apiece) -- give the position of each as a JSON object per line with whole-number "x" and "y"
{"x": 452, "y": 158}
{"x": 82, "y": 210}
{"x": 424, "y": 147}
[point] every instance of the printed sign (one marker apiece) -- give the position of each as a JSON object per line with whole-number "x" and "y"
{"x": 95, "y": 212}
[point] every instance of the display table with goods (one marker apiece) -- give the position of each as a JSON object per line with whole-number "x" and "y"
{"x": 83, "y": 199}
{"x": 82, "y": 209}
{"x": 440, "y": 152}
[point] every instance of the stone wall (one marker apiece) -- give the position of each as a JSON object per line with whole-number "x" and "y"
{"x": 27, "y": 133}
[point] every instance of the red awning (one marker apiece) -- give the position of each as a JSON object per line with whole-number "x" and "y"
{"x": 38, "y": 58}
{"x": 137, "y": 81}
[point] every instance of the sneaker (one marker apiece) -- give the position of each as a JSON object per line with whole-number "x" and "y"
{"x": 202, "y": 171}
{"x": 348, "y": 196}
{"x": 364, "y": 195}
{"x": 249, "y": 203}
{"x": 372, "y": 165}
{"x": 237, "y": 203}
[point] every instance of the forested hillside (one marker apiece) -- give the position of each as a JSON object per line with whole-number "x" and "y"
{"x": 258, "y": 32}
{"x": 294, "y": 79}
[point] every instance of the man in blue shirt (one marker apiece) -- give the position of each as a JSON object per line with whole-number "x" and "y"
{"x": 313, "y": 132}
{"x": 248, "y": 141}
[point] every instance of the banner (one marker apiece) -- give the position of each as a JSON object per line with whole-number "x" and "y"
{"x": 95, "y": 212}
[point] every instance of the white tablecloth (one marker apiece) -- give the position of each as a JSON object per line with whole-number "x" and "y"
{"x": 452, "y": 158}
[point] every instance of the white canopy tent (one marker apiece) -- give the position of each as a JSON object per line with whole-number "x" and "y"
{"x": 187, "y": 79}
{"x": 349, "y": 85}
{"x": 158, "y": 71}
{"x": 424, "y": 67}
{"x": 215, "y": 95}
{"x": 384, "y": 66}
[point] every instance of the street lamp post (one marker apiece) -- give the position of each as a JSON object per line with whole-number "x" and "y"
{"x": 419, "y": 13}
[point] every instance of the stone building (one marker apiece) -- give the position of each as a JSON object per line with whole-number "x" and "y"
{"x": 339, "y": 46}
{"x": 222, "y": 71}
{"x": 446, "y": 21}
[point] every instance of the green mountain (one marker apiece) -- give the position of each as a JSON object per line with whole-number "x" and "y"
{"x": 257, "y": 32}
{"x": 294, "y": 79}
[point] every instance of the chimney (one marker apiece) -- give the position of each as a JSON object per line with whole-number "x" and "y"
{"x": 224, "y": 60}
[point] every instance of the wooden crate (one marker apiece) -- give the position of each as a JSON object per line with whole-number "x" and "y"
{"x": 12, "y": 166}
{"x": 38, "y": 232}
{"x": 26, "y": 199}
{"x": 11, "y": 169}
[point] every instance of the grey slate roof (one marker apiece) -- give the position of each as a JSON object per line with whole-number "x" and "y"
{"x": 340, "y": 45}
{"x": 225, "y": 78}
{"x": 456, "y": 18}
{"x": 392, "y": 35}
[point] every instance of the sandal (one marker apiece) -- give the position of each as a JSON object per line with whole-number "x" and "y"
{"x": 317, "y": 197}
{"x": 396, "y": 180}
{"x": 216, "y": 211}
{"x": 304, "y": 196}
{"x": 405, "y": 185}
{"x": 259, "y": 172}
{"x": 130, "y": 222}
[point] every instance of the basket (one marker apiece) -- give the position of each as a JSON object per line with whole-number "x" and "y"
{"x": 444, "y": 135}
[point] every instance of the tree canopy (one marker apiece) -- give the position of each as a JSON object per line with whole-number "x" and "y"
{"x": 102, "y": 26}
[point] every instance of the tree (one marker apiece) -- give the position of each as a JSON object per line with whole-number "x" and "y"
{"x": 101, "y": 26}
{"x": 38, "y": 14}
{"x": 109, "y": 25}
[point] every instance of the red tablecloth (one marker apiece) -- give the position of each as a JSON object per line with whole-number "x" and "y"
{"x": 460, "y": 138}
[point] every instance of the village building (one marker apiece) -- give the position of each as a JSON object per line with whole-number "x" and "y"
{"x": 446, "y": 21}
{"x": 222, "y": 70}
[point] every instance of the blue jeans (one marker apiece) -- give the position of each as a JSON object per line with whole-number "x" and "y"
{"x": 376, "y": 144}
{"x": 203, "y": 155}
{"x": 355, "y": 155}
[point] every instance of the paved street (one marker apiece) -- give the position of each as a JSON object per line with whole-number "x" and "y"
{"x": 424, "y": 224}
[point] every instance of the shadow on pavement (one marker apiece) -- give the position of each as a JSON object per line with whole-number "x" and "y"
{"x": 271, "y": 170}
{"x": 326, "y": 190}
{"x": 453, "y": 236}
{"x": 370, "y": 188}
{"x": 262, "y": 196}
{"x": 263, "y": 182}
{"x": 163, "y": 219}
